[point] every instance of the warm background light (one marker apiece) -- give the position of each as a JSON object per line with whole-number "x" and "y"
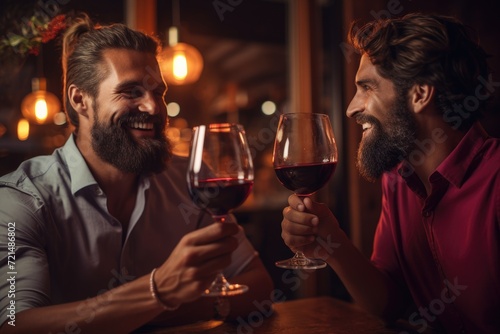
{"x": 181, "y": 64}
{"x": 173, "y": 109}
{"x": 60, "y": 118}
{"x": 23, "y": 129}
{"x": 180, "y": 69}
{"x": 41, "y": 110}
{"x": 40, "y": 106}
{"x": 268, "y": 108}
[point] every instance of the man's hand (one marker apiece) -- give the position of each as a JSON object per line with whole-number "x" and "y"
{"x": 195, "y": 262}
{"x": 310, "y": 227}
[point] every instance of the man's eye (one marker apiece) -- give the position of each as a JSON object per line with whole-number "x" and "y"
{"x": 132, "y": 93}
{"x": 159, "y": 93}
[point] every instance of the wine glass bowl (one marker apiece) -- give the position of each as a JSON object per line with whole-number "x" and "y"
{"x": 220, "y": 177}
{"x": 304, "y": 159}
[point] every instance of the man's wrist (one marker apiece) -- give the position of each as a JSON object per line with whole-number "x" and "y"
{"x": 154, "y": 292}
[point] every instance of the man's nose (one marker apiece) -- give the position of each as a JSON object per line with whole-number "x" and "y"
{"x": 149, "y": 103}
{"x": 357, "y": 105}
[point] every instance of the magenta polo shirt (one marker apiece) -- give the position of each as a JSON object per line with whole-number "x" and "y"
{"x": 443, "y": 250}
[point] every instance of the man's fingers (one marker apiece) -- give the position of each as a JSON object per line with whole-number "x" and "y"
{"x": 296, "y": 241}
{"x": 213, "y": 266}
{"x": 291, "y": 227}
{"x": 298, "y": 217}
{"x": 210, "y": 233}
{"x": 296, "y": 202}
{"x": 199, "y": 254}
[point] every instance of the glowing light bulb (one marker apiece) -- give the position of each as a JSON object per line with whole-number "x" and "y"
{"x": 40, "y": 106}
{"x": 180, "y": 63}
{"x": 41, "y": 110}
{"x": 180, "y": 66}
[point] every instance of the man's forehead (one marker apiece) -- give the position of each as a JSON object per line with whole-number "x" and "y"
{"x": 125, "y": 58}
{"x": 125, "y": 64}
{"x": 366, "y": 69}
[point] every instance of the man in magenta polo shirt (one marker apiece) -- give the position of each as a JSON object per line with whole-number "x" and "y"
{"x": 421, "y": 86}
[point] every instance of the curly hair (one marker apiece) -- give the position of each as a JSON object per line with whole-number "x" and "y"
{"x": 83, "y": 46}
{"x": 427, "y": 49}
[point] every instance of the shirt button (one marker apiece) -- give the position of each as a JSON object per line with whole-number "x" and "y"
{"x": 426, "y": 213}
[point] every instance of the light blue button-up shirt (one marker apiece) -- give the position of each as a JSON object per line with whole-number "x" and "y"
{"x": 67, "y": 245}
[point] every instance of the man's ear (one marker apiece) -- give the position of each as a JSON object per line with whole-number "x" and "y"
{"x": 421, "y": 96}
{"x": 78, "y": 100}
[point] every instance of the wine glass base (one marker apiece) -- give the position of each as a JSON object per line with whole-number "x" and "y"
{"x": 301, "y": 263}
{"x": 225, "y": 290}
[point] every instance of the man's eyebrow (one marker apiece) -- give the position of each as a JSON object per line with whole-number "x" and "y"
{"x": 127, "y": 84}
{"x": 363, "y": 82}
{"x": 134, "y": 83}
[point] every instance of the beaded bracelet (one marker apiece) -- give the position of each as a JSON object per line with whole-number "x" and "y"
{"x": 154, "y": 293}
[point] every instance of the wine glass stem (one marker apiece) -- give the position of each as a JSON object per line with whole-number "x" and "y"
{"x": 220, "y": 280}
{"x": 220, "y": 286}
{"x": 300, "y": 255}
{"x": 299, "y": 259}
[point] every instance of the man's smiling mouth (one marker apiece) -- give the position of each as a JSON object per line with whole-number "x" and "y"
{"x": 141, "y": 125}
{"x": 366, "y": 126}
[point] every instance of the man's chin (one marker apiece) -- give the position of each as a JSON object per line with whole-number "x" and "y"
{"x": 372, "y": 167}
{"x": 368, "y": 175}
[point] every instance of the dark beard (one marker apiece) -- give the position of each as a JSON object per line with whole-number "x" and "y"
{"x": 386, "y": 146}
{"x": 114, "y": 144}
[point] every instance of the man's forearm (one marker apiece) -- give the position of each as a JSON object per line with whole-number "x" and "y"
{"x": 367, "y": 285}
{"x": 119, "y": 310}
{"x": 130, "y": 306}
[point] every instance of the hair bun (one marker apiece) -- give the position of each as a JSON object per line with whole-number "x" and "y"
{"x": 79, "y": 26}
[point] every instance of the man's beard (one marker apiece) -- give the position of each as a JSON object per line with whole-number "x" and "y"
{"x": 386, "y": 146}
{"x": 114, "y": 144}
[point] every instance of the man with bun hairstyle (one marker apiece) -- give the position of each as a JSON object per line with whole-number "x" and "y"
{"x": 104, "y": 234}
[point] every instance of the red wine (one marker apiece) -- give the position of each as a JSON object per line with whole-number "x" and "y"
{"x": 219, "y": 196}
{"x": 307, "y": 178}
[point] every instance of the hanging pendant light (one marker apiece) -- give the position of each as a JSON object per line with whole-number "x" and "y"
{"x": 40, "y": 106}
{"x": 180, "y": 63}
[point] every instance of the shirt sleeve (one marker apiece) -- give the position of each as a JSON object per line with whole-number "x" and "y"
{"x": 23, "y": 259}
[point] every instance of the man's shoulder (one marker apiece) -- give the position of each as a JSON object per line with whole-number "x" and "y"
{"x": 491, "y": 150}
{"x": 34, "y": 173}
{"x": 489, "y": 161}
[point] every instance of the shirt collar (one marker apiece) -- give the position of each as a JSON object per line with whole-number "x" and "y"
{"x": 81, "y": 177}
{"x": 455, "y": 165}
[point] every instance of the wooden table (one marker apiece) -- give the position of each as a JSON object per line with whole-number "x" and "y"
{"x": 320, "y": 315}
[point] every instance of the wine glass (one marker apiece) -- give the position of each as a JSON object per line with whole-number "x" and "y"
{"x": 304, "y": 159}
{"x": 220, "y": 177}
